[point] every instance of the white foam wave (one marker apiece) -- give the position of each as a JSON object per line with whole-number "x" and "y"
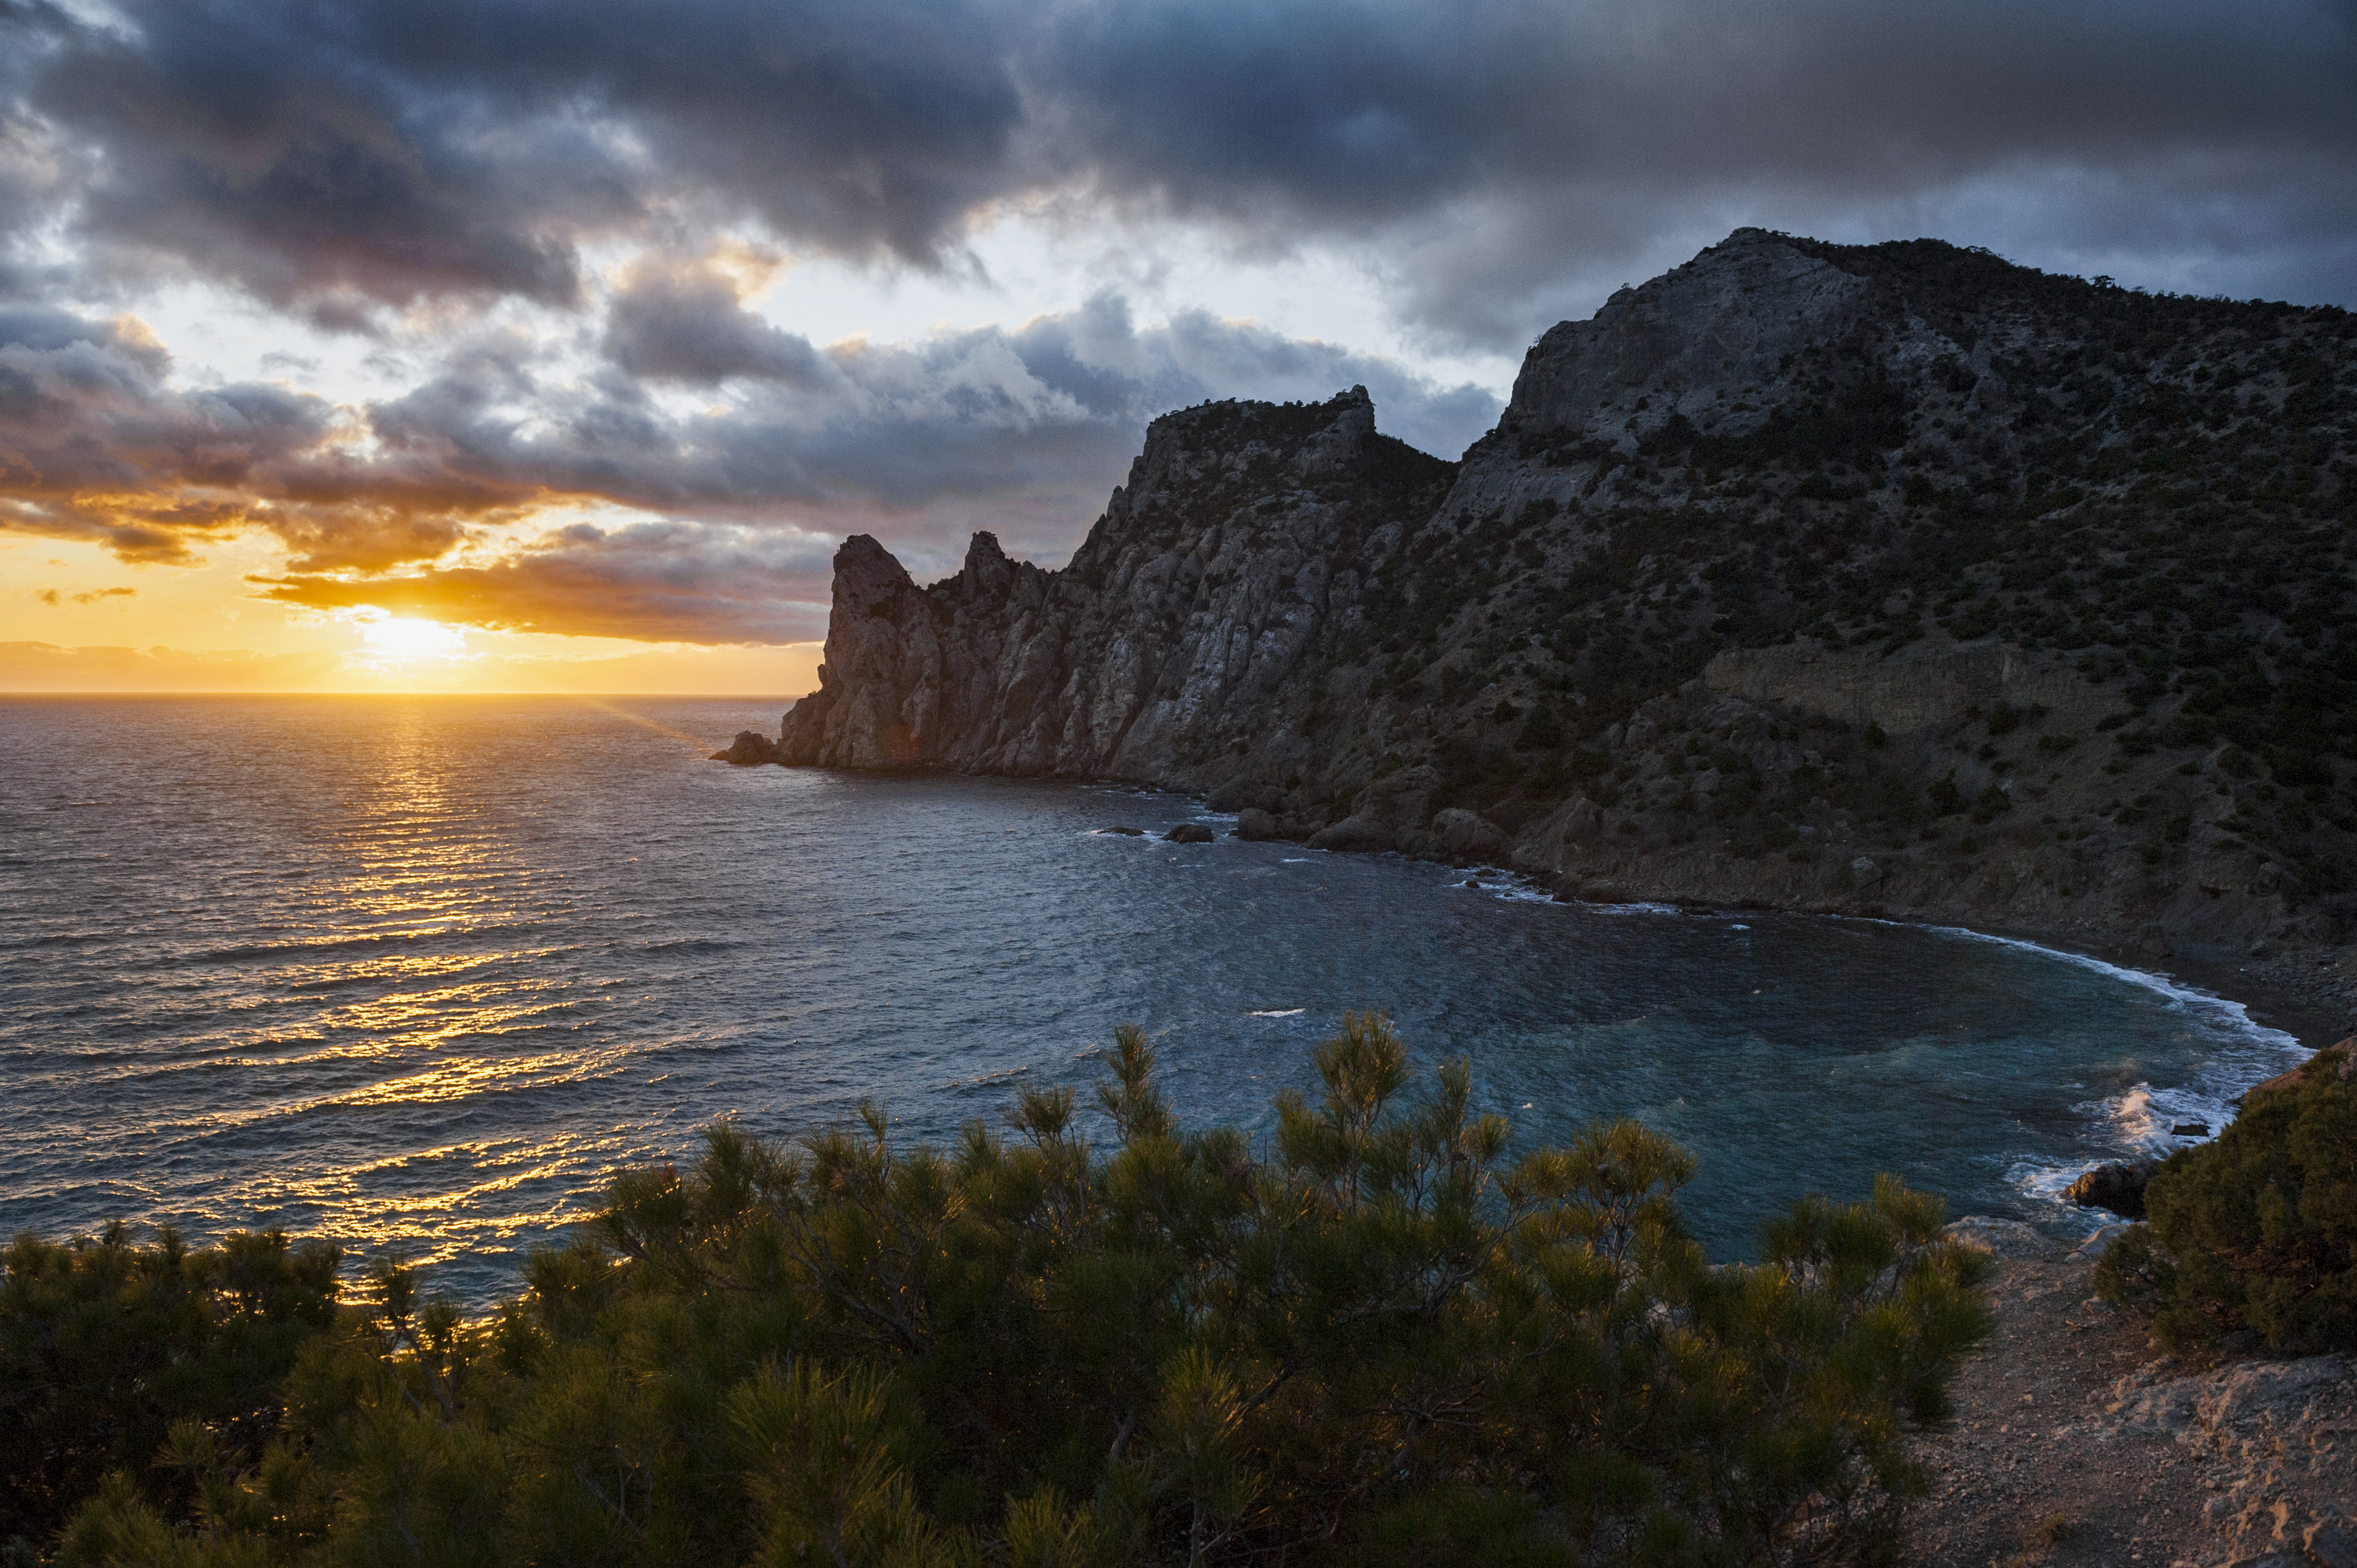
{"x": 2142, "y": 1120}
{"x": 2217, "y": 1010}
{"x": 1278, "y": 1013}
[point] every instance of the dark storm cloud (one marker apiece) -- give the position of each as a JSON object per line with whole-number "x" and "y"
{"x": 1505, "y": 158}
{"x": 383, "y": 151}
{"x": 686, "y": 322}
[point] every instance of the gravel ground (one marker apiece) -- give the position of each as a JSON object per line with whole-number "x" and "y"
{"x": 2076, "y": 1443}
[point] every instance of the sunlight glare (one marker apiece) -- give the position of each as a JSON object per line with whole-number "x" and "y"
{"x": 403, "y": 637}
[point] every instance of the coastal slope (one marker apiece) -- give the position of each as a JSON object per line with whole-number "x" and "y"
{"x": 1892, "y": 579}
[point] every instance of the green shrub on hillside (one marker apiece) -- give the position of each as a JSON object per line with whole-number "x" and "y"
{"x": 104, "y": 1344}
{"x": 1377, "y": 1340}
{"x": 2257, "y": 1230}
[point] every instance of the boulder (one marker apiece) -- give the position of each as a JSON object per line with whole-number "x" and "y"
{"x": 749, "y": 747}
{"x": 1189, "y": 833}
{"x": 1402, "y": 797}
{"x": 1359, "y": 834}
{"x": 1464, "y": 835}
{"x": 1245, "y": 794}
{"x": 2005, "y": 1238}
{"x": 1255, "y": 825}
{"x": 2118, "y": 1188}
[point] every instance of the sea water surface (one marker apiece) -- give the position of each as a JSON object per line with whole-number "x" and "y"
{"x": 418, "y": 972}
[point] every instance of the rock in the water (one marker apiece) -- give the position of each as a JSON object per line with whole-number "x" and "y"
{"x": 1466, "y": 836}
{"x": 1359, "y": 834}
{"x": 1190, "y": 832}
{"x": 1125, "y": 832}
{"x": 750, "y": 747}
{"x": 2118, "y": 1188}
{"x": 1255, "y": 825}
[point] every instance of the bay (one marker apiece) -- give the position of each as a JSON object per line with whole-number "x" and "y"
{"x": 418, "y": 972}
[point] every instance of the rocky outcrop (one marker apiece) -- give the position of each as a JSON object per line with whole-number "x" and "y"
{"x": 2118, "y": 1187}
{"x": 2273, "y": 1437}
{"x": 1890, "y": 579}
{"x": 750, "y": 748}
{"x": 1191, "y": 627}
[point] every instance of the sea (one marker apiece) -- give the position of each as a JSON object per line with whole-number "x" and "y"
{"x": 419, "y": 973}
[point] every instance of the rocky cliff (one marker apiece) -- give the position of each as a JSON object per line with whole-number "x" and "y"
{"x": 1889, "y": 577}
{"x": 1219, "y": 579}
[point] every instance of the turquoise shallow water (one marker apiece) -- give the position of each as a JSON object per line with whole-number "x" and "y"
{"x": 417, "y": 972}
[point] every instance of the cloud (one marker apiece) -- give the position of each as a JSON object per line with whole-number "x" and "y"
{"x": 94, "y": 446}
{"x": 652, "y": 581}
{"x": 687, "y": 322}
{"x": 1494, "y": 159}
{"x": 338, "y": 157}
{"x": 53, "y": 596}
{"x": 436, "y": 502}
{"x": 1023, "y": 431}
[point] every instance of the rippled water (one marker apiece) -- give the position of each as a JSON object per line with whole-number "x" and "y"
{"x": 416, "y": 973}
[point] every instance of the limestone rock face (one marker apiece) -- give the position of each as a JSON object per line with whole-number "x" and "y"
{"x": 1700, "y": 342}
{"x": 1186, "y": 625}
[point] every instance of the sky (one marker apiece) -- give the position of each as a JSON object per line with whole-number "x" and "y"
{"x": 479, "y": 345}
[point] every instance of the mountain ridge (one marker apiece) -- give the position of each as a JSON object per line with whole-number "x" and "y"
{"x": 1890, "y": 578}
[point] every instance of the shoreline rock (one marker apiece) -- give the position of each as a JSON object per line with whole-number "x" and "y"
{"x": 749, "y": 749}
{"x": 2118, "y": 1187}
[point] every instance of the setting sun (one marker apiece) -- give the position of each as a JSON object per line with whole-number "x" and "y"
{"x": 401, "y": 637}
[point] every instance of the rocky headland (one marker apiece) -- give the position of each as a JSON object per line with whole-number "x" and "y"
{"x": 1892, "y": 580}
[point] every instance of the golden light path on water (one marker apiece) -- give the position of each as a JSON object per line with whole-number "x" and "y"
{"x": 417, "y": 973}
